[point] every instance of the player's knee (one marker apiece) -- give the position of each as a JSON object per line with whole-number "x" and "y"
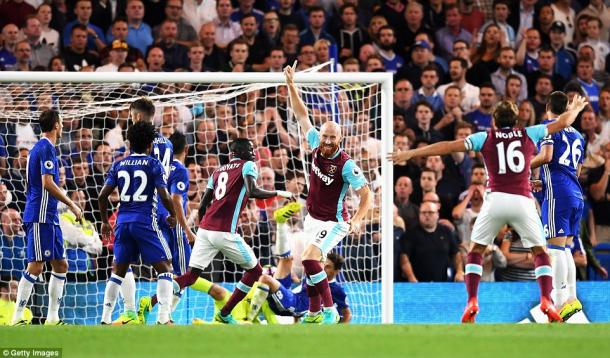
{"x": 311, "y": 253}
{"x": 478, "y": 248}
{"x": 60, "y": 266}
{"x": 256, "y": 270}
{"x": 35, "y": 268}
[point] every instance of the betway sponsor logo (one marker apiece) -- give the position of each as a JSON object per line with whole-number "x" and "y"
{"x": 325, "y": 178}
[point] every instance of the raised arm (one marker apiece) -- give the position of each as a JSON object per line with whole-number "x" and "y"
{"x": 565, "y": 120}
{"x": 296, "y": 103}
{"x": 440, "y": 148}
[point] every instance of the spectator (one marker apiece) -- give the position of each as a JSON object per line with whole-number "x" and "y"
{"x": 118, "y": 55}
{"x": 544, "y": 20}
{"x": 377, "y": 22}
{"x": 10, "y": 35}
{"x": 527, "y": 54}
{"x": 403, "y": 188}
{"x": 41, "y": 52}
{"x": 205, "y": 141}
{"x": 198, "y": 12}
{"x": 14, "y": 255}
{"x": 105, "y": 12}
{"x": 174, "y": 52}
{"x": 438, "y": 61}
{"x": 601, "y": 48}
{"x": 447, "y": 186}
{"x": 267, "y": 38}
{"x": 450, "y": 114}
{"x": 385, "y": 43}
{"x": 290, "y": 42}
{"x": 95, "y": 36}
{"x": 521, "y": 17}
{"x": 139, "y": 34}
{"x": 155, "y": 60}
{"x": 546, "y": 62}
{"x": 484, "y": 58}
{"x": 238, "y": 57}
{"x": 429, "y": 249}
{"x": 586, "y": 50}
{"x": 427, "y": 92}
{"x": 48, "y": 35}
{"x": 514, "y": 85}
{"x": 467, "y": 210}
{"x": 214, "y": 55}
{"x": 480, "y": 118}
{"x": 185, "y": 33}
{"x": 374, "y": 63}
{"x": 277, "y": 60}
{"x": 227, "y": 30}
{"x": 472, "y": 18}
{"x": 8, "y": 300}
{"x": 288, "y": 16}
{"x": 584, "y": 76}
{"x": 77, "y": 56}
{"x": 604, "y": 109}
{"x": 80, "y": 174}
{"x": 434, "y": 14}
{"x": 350, "y": 35}
{"x": 453, "y": 30}
{"x": 469, "y": 93}
{"x": 500, "y": 77}
{"x": 246, "y": 7}
{"x": 501, "y": 11}
{"x": 597, "y": 8}
{"x": 421, "y": 56}
{"x": 15, "y": 12}
{"x": 315, "y": 31}
{"x": 599, "y": 190}
{"x": 407, "y": 168}
{"x": 593, "y": 140}
{"x": 23, "y": 55}
{"x": 519, "y": 259}
{"x": 412, "y": 25}
{"x": 565, "y": 58}
{"x": 119, "y": 31}
{"x": 423, "y": 116}
{"x": 14, "y": 178}
{"x": 196, "y": 57}
{"x": 564, "y": 13}
{"x": 279, "y": 164}
{"x": 543, "y": 90}
{"x": 392, "y": 11}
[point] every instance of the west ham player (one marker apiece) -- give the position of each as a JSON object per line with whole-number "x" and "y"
{"x": 227, "y": 194}
{"x": 139, "y": 178}
{"x": 277, "y": 290}
{"x": 328, "y": 222}
{"x": 41, "y": 221}
{"x": 507, "y": 152}
{"x": 143, "y": 109}
{"x": 562, "y": 156}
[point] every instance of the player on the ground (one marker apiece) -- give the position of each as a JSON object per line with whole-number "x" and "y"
{"x": 507, "y": 152}
{"x": 277, "y": 290}
{"x": 328, "y": 222}
{"x": 41, "y": 221}
{"x": 561, "y": 156}
{"x": 143, "y": 109}
{"x": 139, "y": 177}
{"x": 230, "y": 187}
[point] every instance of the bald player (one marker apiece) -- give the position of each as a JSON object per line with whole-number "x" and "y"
{"x": 328, "y": 222}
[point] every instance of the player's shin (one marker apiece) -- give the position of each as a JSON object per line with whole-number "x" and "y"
{"x": 314, "y": 271}
{"x": 128, "y": 291}
{"x": 242, "y": 288}
{"x": 315, "y": 301}
{"x": 164, "y": 297}
{"x": 571, "y": 279}
{"x": 24, "y": 290}
{"x": 473, "y": 273}
{"x": 56, "y": 293}
{"x": 260, "y": 296}
{"x": 110, "y": 295}
{"x": 282, "y": 245}
{"x": 557, "y": 255}
{"x": 544, "y": 273}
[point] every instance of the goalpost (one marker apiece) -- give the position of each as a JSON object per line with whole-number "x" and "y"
{"x": 211, "y": 109}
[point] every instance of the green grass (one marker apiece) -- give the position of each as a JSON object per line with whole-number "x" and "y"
{"x": 473, "y": 341}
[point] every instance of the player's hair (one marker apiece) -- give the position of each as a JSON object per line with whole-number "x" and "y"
{"x": 238, "y": 145}
{"x": 141, "y": 136}
{"x": 48, "y": 119}
{"x": 505, "y": 114}
{"x": 178, "y": 140}
{"x": 145, "y": 106}
{"x": 337, "y": 260}
{"x": 478, "y": 166}
{"x": 558, "y": 102}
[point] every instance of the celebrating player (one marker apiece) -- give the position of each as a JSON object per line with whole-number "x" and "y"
{"x": 41, "y": 221}
{"x": 507, "y": 153}
{"x": 139, "y": 177}
{"x": 229, "y": 186}
{"x": 327, "y": 223}
{"x": 276, "y": 289}
{"x": 143, "y": 109}
{"x": 562, "y": 153}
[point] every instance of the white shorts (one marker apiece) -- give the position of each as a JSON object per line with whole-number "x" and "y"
{"x": 232, "y": 246}
{"x": 517, "y": 211}
{"x": 324, "y": 235}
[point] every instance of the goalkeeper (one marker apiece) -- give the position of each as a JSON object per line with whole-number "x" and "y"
{"x": 274, "y": 294}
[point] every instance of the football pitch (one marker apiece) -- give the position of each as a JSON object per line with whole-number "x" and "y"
{"x": 473, "y": 341}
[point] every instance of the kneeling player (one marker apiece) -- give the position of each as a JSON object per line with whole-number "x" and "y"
{"x": 276, "y": 290}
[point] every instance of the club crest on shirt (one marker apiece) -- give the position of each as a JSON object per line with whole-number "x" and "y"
{"x": 332, "y": 169}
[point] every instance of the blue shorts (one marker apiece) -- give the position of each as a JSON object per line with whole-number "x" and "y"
{"x": 179, "y": 247}
{"x": 45, "y": 242}
{"x": 284, "y": 302}
{"x": 134, "y": 239}
{"x": 561, "y": 217}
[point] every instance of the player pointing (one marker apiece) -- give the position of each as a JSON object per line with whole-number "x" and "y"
{"x": 41, "y": 221}
{"x": 328, "y": 222}
{"x": 507, "y": 153}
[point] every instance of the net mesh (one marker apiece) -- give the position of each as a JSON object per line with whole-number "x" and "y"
{"x": 95, "y": 119}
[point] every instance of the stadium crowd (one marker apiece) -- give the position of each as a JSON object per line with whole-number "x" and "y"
{"x": 452, "y": 61}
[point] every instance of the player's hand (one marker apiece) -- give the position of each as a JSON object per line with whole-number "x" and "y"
{"x": 578, "y": 103}
{"x": 459, "y": 277}
{"x": 536, "y": 185}
{"x": 190, "y": 236}
{"x": 400, "y": 156}
{"x": 171, "y": 221}
{"x": 289, "y": 74}
{"x": 77, "y": 212}
{"x": 354, "y": 227}
{"x": 106, "y": 231}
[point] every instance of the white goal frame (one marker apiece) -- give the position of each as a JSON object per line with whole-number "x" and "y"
{"x": 383, "y": 79}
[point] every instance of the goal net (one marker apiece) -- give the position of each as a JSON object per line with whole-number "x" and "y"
{"x": 211, "y": 112}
